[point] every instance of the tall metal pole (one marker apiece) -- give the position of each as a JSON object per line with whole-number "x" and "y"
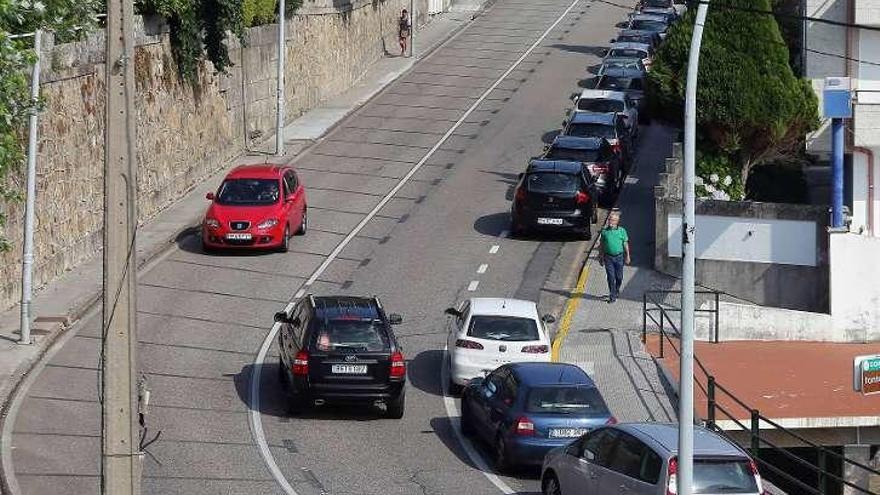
{"x": 837, "y": 172}
{"x": 412, "y": 28}
{"x": 686, "y": 372}
{"x": 279, "y": 92}
{"x": 27, "y": 259}
{"x": 121, "y": 457}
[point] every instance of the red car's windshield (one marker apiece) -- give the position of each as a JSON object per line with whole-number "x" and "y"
{"x": 248, "y": 192}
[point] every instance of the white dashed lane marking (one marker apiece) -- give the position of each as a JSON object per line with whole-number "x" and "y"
{"x": 482, "y": 269}
{"x": 494, "y": 249}
{"x": 473, "y": 285}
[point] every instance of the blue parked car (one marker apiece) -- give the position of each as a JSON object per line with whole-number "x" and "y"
{"x": 524, "y": 410}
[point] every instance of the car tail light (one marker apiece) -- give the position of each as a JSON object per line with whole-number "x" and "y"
{"x": 672, "y": 483}
{"x": 753, "y": 468}
{"x": 598, "y": 168}
{"x": 537, "y": 349}
{"x": 581, "y": 198}
{"x": 301, "y": 364}
{"x": 616, "y": 146}
{"x": 468, "y": 344}
{"x": 611, "y": 421}
{"x": 524, "y": 427}
{"x": 520, "y": 194}
{"x": 398, "y": 365}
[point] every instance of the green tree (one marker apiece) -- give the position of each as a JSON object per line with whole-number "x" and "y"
{"x": 751, "y": 108}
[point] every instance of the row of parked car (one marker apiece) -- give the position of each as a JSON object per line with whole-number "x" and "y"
{"x": 585, "y": 165}
{"x": 529, "y": 410}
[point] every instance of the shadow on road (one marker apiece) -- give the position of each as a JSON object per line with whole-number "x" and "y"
{"x": 277, "y": 402}
{"x": 493, "y": 224}
{"x": 424, "y": 371}
{"x": 598, "y": 51}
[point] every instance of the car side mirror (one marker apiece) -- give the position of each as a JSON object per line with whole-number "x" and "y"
{"x": 548, "y": 319}
{"x": 395, "y": 319}
{"x": 567, "y": 111}
{"x": 612, "y": 40}
{"x": 574, "y": 96}
{"x": 453, "y": 312}
{"x": 281, "y": 317}
{"x": 210, "y": 196}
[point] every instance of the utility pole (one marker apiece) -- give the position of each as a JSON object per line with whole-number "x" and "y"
{"x": 27, "y": 259}
{"x": 412, "y": 28}
{"x": 121, "y": 449}
{"x": 279, "y": 90}
{"x": 685, "y": 473}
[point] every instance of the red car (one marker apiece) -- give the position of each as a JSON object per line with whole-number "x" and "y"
{"x": 256, "y": 206}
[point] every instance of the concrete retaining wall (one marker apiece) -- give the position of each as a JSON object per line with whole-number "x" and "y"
{"x": 185, "y": 132}
{"x": 770, "y": 284}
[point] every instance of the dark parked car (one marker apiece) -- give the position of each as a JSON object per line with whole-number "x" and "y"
{"x": 610, "y": 126}
{"x": 523, "y": 410}
{"x": 552, "y": 196}
{"x": 650, "y": 38}
{"x": 596, "y": 155}
{"x": 631, "y": 82}
{"x": 341, "y": 349}
{"x": 658, "y": 23}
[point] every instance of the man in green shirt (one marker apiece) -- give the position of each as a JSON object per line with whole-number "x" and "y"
{"x": 613, "y": 253}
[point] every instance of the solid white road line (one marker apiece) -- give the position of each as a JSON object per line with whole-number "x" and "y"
{"x": 473, "y": 285}
{"x": 256, "y": 421}
{"x": 482, "y": 269}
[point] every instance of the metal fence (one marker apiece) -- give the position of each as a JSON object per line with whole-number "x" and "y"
{"x": 658, "y": 312}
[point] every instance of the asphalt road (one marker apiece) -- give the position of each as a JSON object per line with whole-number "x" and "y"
{"x": 203, "y": 318}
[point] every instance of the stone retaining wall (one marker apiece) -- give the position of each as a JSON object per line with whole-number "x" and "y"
{"x": 185, "y": 133}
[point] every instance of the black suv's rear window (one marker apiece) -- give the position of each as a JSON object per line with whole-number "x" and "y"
{"x": 351, "y": 334}
{"x": 723, "y": 476}
{"x": 573, "y": 155}
{"x": 581, "y": 400}
{"x": 503, "y": 328}
{"x": 552, "y": 182}
{"x": 592, "y": 130}
{"x": 600, "y": 105}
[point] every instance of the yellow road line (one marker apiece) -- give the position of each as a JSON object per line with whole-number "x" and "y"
{"x": 570, "y": 308}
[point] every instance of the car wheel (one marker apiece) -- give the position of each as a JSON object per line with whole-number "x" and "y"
{"x": 515, "y": 230}
{"x": 502, "y": 463}
{"x": 304, "y": 226}
{"x": 396, "y": 406}
{"x": 285, "y": 241}
{"x": 207, "y": 248}
{"x": 586, "y": 234}
{"x": 594, "y": 218}
{"x": 282, "y": 373}
{"x": 467, "y": 429}
{"x": 550, "y": 485}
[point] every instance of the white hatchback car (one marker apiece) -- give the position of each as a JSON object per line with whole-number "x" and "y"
{"x": 486, "y": 332}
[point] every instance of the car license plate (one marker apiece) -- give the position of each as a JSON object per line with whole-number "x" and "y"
{"x": 549, "y": 221}
{"x": 349, "y": 369}
{"x": 566, "y": 432}
{"x": 239, "y": 236}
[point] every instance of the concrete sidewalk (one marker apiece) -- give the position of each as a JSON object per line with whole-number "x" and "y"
{"x": 603, "y": 338}
{"x": 57, "y": 306}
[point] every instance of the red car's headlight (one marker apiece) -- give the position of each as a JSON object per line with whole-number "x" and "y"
{"x": 212, "y": 223}
{"x": 267, "y": 224}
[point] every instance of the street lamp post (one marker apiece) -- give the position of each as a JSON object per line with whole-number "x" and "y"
{"x": 688, "y": 268}
{"x": 279, "y": 90}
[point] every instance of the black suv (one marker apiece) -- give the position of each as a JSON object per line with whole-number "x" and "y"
{"x": 341, "y": 349}
{"x": 553, "y": 195}
{"x": 597, "y": 157}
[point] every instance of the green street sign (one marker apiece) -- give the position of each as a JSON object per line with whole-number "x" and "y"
{"x": 871, "y": 364}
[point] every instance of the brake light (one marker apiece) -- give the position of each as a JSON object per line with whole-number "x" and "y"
{"x": 524, "y": 427}
{"x": 520, "y": 194}
{"x": 398, "y": 366}
{"x": 598, "y": 168}
{"x": 611, "y": 421}
{"x": 616, "y": 147}
{"x": 301, "y": 364}
{"x": 753, "y": 468}
{"x": 536, "y": 349}
{"x": 581, "y": 198}
{"x": 468, "y": 344}
{"x": 672, "y": 483}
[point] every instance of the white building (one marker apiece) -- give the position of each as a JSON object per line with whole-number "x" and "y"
{"x": 855, "y": 53}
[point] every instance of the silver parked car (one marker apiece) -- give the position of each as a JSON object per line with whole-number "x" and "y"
{"x": 641, "y": 459}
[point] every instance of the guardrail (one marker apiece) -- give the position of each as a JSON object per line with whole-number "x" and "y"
{"x": 714, "y": 393}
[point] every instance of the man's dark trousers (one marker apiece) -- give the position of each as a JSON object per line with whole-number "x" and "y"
{"x": 614, "y": 271}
